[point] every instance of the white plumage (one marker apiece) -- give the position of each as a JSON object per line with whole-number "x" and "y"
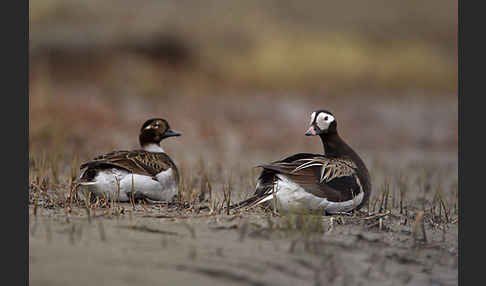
{"x": 107, "y": 182}
{"x": 292, "y": 197}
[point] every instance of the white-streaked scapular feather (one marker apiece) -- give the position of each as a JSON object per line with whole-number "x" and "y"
{"x": 330, "y": 168}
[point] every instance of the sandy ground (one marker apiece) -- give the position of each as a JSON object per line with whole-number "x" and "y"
{"x": 161, "y": 247}
{"x": 414, "y": 138}
{"x": 158, "y": 245}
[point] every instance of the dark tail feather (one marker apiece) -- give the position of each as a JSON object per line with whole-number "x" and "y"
{"x": 264, "y": 188}
{"x": 246, "y": 203}
{"x": 250, "y": 202}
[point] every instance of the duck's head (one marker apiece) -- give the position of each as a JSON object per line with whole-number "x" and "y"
{"x": 155, "y": 130}
{"x": 322, "y": 122}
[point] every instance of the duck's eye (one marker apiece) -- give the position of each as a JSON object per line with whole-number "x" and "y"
{"x": 325, "y": 118}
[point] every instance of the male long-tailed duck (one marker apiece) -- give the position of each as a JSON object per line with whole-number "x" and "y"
{"x": 148, "y": 174}
{"x": 336, "y": 182}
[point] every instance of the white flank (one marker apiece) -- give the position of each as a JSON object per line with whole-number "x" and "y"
{"x": 292, "y": 196}
{"x": 119, "y": 184}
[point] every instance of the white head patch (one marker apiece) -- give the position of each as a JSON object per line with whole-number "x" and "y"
{"x": 323, "y": 120}
{"x": 313, "y": 116}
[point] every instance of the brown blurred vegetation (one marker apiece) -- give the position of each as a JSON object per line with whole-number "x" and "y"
{"x": 241, "y": 77}
{"x": 308, "y": 45}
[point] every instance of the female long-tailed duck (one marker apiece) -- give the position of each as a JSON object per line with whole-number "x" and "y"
{"x": 148, "y": 174}
{"x": 335, "y": 182}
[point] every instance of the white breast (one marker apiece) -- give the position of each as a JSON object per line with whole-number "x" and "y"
{"x": 169, "y": 184}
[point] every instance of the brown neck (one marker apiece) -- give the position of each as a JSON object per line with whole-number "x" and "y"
{"x": 146, "y": 138}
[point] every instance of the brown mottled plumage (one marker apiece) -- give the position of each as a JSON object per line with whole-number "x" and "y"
{"x": 137, "y": 162}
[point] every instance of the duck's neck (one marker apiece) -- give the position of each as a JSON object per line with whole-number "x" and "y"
{"x": 153, "y": 147}
{"x": 335, "y": 146}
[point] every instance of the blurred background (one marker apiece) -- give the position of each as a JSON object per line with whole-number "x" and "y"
{"x": 240, "y": 79}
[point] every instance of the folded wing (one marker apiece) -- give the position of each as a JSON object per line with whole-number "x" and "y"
{"x": 137, "y": 162}
{"x": 335, "y": 179}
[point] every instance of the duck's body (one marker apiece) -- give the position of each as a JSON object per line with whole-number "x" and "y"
{"x": 334, "y": 182}
{"x": 148, "y": 174}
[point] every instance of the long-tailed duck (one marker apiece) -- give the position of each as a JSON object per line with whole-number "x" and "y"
{"x": 335, "y": 182}
{"x": 148, "y": 174}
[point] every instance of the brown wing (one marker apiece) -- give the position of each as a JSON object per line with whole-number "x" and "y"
{"x": 331, "y": 178}
{"x": 137, "y": 162}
